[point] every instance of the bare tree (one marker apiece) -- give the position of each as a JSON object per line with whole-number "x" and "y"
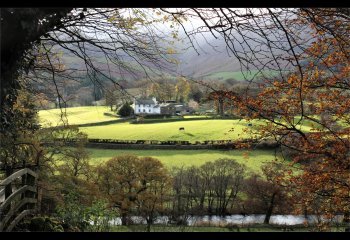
{"x": 32, "y": 41}
{"x": 227, "y": 183}
{"x": 266, "y": 192}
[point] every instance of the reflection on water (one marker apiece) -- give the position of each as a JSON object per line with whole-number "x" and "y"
{"x": 237, "y": 219}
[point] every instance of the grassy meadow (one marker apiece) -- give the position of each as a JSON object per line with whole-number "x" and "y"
{"x": 196, "y": 130}
{"x": 177, "y": 158}
{"x": 76, "y": 115}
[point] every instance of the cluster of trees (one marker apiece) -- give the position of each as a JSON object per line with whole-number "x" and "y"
{"x": 128, "y": 185}
{"x": 73, "y": 92}
{"x": 171, "y": 89}
{"x": 225, "y": 187}
{"x": 134, "y": 185}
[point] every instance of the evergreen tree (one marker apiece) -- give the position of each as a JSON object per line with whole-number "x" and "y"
{"x": 126, "y": 110}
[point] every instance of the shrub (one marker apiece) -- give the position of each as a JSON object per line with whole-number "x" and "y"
{"x": 126, "y": 110}
{"x": 44, "y": 224}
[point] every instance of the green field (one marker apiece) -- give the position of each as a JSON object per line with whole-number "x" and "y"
{"x": 171, "y": 158}
{"x": 76, "y": 115}
{"x": 196, "y": 130}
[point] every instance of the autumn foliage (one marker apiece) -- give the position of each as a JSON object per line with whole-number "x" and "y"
{"x": 308, "y": 113}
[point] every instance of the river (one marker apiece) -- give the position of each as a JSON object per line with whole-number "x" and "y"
{"x": 237, "y": 219}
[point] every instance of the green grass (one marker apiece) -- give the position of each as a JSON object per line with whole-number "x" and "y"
{"x": 197, "y": 116}
{"x": 196, "y": 130}
{"x": 76, "y": 115}
{"x": 177, "y": 158}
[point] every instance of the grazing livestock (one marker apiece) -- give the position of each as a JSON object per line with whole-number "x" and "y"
{"x": 182, "y": 128}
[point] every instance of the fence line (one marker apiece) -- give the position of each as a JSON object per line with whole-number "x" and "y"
{"x": 157, "y": 144}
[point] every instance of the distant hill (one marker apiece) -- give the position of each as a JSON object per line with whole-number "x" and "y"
{"x": 212, "y": 61}
{"x": 240, "y": 75}
{"x": 130, "y": 71}
{"x": 207, "y": 61}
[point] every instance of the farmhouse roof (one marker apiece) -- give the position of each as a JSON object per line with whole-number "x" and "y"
{"x": 145, "y": 101}
{"x": 166, "y": 104}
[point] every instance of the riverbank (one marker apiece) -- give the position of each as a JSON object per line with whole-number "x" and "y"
{"x": 228, "y": 228}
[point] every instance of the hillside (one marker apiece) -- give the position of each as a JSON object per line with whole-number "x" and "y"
{"x": 204, "y": 62}
{"x": 239, "y": 75}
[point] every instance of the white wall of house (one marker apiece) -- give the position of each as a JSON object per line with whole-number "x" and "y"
{"x": 146, "y": 109}
{"x": 140, "y": 108}
{"x": 156, "y": 110}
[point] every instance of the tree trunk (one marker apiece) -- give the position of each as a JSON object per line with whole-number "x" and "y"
{"x": 20, "y": 28}
{"x": 346, "y": 218}
{"x": 221, "y": 106}
{"x": 124, "y": 219}
{"x": 149, "y": 223}
{"x": 270, "y": 209}
{"x": 201, "y": 203}
{"x": 305, "y": 213}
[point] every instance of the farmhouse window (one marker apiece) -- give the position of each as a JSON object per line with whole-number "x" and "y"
{"x": 144, "y": 110}
{"x": 149, "y": 110}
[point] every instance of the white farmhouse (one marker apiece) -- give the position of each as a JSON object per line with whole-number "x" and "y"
{"x": 146, "y": 106}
